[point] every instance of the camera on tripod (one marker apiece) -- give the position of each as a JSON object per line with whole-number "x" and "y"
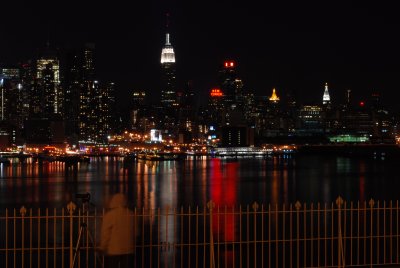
{"x": 84, "y": 197}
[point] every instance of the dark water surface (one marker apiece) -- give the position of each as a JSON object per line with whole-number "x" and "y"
{"x": 195, "y": 181}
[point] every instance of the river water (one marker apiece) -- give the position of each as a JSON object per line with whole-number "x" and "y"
{"x": 195, "y": 181}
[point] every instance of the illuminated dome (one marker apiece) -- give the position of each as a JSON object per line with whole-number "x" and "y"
{"x": 274, "y": 97}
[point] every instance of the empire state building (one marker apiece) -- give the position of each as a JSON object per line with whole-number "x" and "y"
{"x": 168, "y": 90}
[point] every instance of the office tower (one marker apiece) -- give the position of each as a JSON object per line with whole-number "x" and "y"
{"x": 231, "y": 84}
{"x": 138, "y": 104}
{"x": 168, "y": 74}
{"x": 89, "y": 104}
{"x": 48, "y": 85}
{"x": 311, "y": 120}
{"x": 105, "y": 110}
{"x": 216, "y": 107}
{"x": 13, "y": 97}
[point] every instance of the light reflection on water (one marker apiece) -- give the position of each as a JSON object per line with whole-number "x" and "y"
{"x": 192, "y": 182}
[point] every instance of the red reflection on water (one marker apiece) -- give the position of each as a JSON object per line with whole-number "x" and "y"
{"x": 223, "y": 194}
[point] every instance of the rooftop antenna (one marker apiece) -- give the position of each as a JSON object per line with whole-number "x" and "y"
{"x": 167, "y": 42}
{"x": 167, "y": 20}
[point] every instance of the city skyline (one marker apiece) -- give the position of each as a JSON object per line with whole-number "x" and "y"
{"x": 351, "y": 47}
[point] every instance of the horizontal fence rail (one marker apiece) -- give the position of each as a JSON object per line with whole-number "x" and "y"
{"x": 340, "y": 234}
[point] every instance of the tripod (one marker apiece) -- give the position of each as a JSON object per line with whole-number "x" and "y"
{"x": 83, "y": 229}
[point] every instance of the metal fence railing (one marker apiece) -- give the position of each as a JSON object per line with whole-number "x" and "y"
{"x": 352, "y": 234}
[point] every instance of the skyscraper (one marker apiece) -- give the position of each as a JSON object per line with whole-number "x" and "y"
{"x": 231, "y": 84}
{"x": 168, "y": 69}
{"x": 48, "y": 84}
{"x": 89, "y": 103}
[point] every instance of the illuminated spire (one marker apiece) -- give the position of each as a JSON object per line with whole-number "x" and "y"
{"x": 274, "y": 97}
{"x": 326, "y": 99}
{"x": 167, "y": 53}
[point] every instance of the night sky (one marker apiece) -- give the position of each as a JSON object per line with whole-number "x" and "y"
{"x": 293, "y": 46}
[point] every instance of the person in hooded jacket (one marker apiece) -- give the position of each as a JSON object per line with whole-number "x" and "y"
{"x": 117, "y": 240}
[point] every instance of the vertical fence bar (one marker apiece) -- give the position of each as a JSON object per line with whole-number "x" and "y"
{"x": 212, "y": 257}
{"x": 142, "y": 229}
{"x": 305, "y": 234}
{"x": 312, "y": 234}
{"x": 298, "y": 206}
{"x": 371, "y": 204}
{"x": 291, "y": 234}
{"x": 158, "y": 236}
{"x": 197, "y": 237}
{"x": 38, "y": 236}
{"x": 269, "y": 235}
{"x": 95, "y": 239}
{"x": 247, "y": 236}
{"x": 189, "y": 236}
{"x": 15, "y": 238}
{"x": 240, "y": 236}
{"x": 318, "y": 234}
{"x": 255, "y": 207}
{"x": 276, "y": 236}
{"x": 225, "y": 238}
{"x": 7, "y": 237}
{"x": 151, "y": 236}
{"x": 339, "y": 203}
{"x": 181, "y": 239}
{"x": 377, "y": 232}
{"x": 204, "y": 236}
{"x": 384, "y": 232}
{"x": 397, "y": 231}
{"x": 62, "y": 237}
{"x": 174, "y": 238}
{"x": 365, "y": 232}
{"x": 30, "y": 238}
{"x": 234, "y": 236}
{"x": 23, "y": 212}
{"x": 218, "y": 233}
{"x": 358, "y": 233}
{"x": 262, "y": 235}
{"x": 55, "y": 238}
{"x": 326, "y": 235}
{"x": 87, "y": 238}
{"x": 47, "y": 238}
{"x": 70, "y": 207}
{"x": 391, "y": 232}
{"x": 332, "y": 233}
{"x": 344, "y": 232}
{"x": 351, "y": 233}
{"x": 283, "y": 234}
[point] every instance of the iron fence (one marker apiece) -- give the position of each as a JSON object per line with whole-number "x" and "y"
{"x": 352, "y": 234}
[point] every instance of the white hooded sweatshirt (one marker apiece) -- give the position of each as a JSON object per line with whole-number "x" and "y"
{"x": 118, "y": 228}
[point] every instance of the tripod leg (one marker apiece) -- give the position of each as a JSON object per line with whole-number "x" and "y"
{"x": 91, "y": 240}
{"x": 77, "y": 246}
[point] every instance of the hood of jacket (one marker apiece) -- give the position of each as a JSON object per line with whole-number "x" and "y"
{"x": 118, "y": 200}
